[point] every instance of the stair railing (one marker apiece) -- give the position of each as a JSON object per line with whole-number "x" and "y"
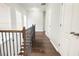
{"x": 11, "y": 41}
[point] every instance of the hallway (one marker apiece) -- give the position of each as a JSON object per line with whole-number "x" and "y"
{"x": 58, "y": 20}
{"x": 43, "y": 47}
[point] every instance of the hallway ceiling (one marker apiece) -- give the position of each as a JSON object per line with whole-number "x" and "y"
{"x": 27, "y": 6}
{"x": 32, "y": 4}
{"x": 42, "y": 6}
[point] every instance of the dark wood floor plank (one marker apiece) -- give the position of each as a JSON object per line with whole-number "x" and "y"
{"x": 42, "y": 46}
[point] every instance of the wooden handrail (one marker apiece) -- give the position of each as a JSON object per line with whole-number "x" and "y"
{"x": 10, "y": 30}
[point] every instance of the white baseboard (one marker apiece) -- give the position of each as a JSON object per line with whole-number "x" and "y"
{"x": 56, "y": 47}
{"x": 52, "y": 42}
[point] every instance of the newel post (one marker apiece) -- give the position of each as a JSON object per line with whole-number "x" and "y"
{"x": 24, "y": 39}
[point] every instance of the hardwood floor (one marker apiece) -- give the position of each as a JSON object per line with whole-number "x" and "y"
{"x": 42, "y": 46}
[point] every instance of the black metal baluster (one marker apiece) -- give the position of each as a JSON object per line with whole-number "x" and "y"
{"x": 10, "y": 44}
{"x": 20, "y": 39}
{"x": 3, "y": 44}
{"x": 6, "y": 43}
{"x": 17, "y": 42}
{"x": 13, "y": 44}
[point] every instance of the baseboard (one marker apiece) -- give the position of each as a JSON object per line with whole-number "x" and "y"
{"x": 55, "y": 47}
{"x": 52, "y": 42}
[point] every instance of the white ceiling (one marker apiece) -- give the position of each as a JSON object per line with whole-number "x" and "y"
{"x": 31, "y": 5}
{"x": 27, "y": 6}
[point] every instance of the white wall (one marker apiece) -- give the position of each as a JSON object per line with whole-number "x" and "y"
{"x": 67, "y": 15}
{"x": 17, "y": 13}
{"x": 5, "y": 22}
{"x": 58, "y": 26}
{"x": 35, "y": 16}
{"x": 19, "y": 20}
{"x": 52, "y": 23}
{"x": 20, "y": 17}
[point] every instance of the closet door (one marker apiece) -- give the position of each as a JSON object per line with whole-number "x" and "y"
{"x": 75, "y": 22}
{"x": 69, "y": 42}
{"x": 66, "y": 28}
{"x": 74, "y": 42}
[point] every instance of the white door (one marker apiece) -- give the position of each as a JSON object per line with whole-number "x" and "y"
{"x": 74, "y": 48}
{"x": 69, "y": 42}
{"x": 65, "y": 28}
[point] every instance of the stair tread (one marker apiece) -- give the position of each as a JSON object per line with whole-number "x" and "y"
{"x": 22, "y": 53}
{"x": 22, "y": 49}
{"x": 27, "y": 42}
{"x": 26, "y": 45}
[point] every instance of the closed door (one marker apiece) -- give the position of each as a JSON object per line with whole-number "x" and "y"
{"x": 74, "y": 42}
{"x": 65, "y": 29}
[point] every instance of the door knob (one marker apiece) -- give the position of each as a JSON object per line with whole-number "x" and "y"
{"x": 76, "y": 34}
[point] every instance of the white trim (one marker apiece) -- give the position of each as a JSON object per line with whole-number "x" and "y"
{"x": 52, "y": 42}
{"x": 56, "y": 47}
